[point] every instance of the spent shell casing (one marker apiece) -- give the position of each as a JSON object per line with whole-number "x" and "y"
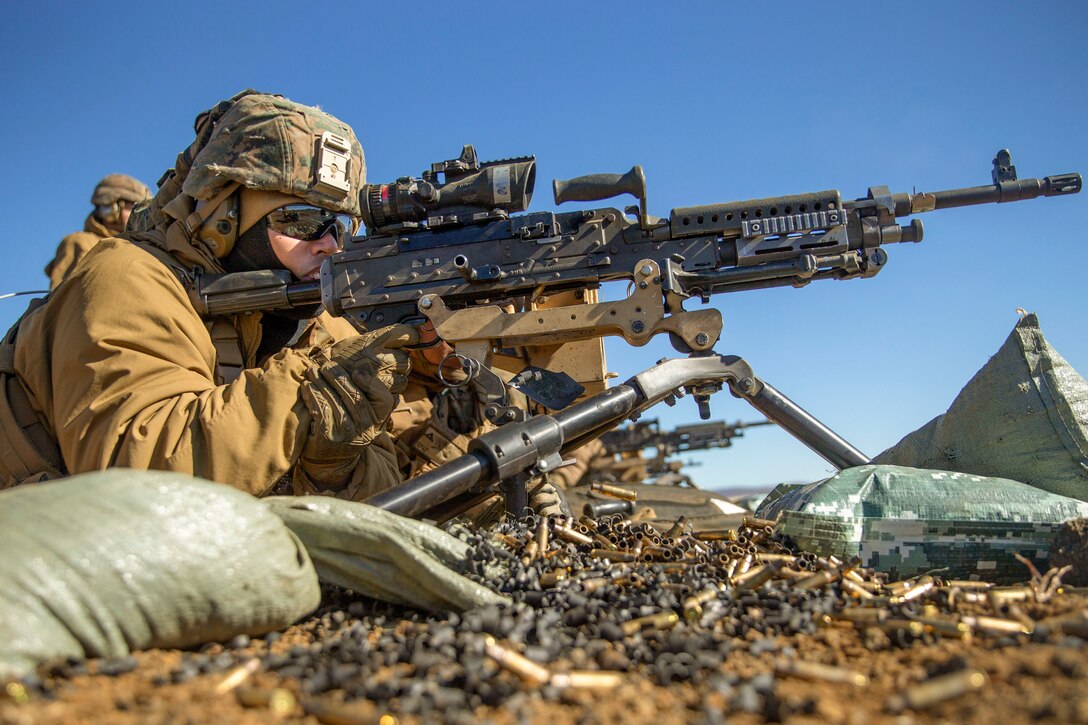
{"x": 784, "y": 558}
{"x": 752, "y": 522}
{"x": 540, "y": 536}
{"x": 755, "y": 578}
{"x": 914, "y": 629}
{"x": 795, "y": 573}
{"x": 818, "y": 580}
{"x": 855, "y": 589}
{"x": 587, "y": 679}
{"x": 614, "y": 555}
{"x": 658, "y": 622}
{"x": 279, "y": 700}
{"x": 593, "y": 584}
{"x": 945, "y": 627}
{"x": 519, "y": 664}
{"x": 238, "y": 675}
{"x": 510, "y": 541}
{"x": 858, "y": 579}
{"x": 716, "y": 535}
{"x": 602, "y": 542}
{"x": 613, "y": 491}
{"x": 996, "y": 625}
{"x": 758, "y": 535}
{"x": 572, "y": 536}
{"x": 861, "y": 615}
{"x": 17, "y": 692}
{"x": 731, "y": 567}
{"x": 329, "y": 711}
{"x": 964, "y": 584}
{"x": 743, "y": 565}
{"x": 879, "y": 600}
{"x": 589, "y": 522}
{"x": 916, "y": 591}
{"x": 532, "y": 550}
{"x": 897, "y": 588}
{"x": 597, "y": 509}
{"x": 998, "y": 597}
{"x": 820, "y": 671}
{"x": 677, "y": 528}
{"x": 550, "y": 578}
{"x": 939, "y": 689}
{"x": 657, "y": 553}
{"x": 693, "y": 605}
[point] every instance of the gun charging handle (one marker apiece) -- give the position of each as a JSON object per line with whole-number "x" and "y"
{"x": 595, "y": 187}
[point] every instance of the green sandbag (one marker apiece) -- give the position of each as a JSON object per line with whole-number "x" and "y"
{"x": 907, "y": 521}
{"x": 382, "y": 555}
{"x": 1023, "y": 416}
{"x": 105, "y": 563}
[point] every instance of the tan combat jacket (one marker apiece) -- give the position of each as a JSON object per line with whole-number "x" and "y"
{"x": 122, "y": 370}
{"x": 73, "y": 247}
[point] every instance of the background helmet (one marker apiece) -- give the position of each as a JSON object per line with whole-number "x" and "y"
{"x": 119, "y": 187}
{"x": 113, "y": 193}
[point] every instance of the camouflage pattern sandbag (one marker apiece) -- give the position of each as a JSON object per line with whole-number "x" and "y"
{"x": 106, "y": 563}
{"x": 1023, "y": 416}
{"x": 382, "y": 555}
{"x": 907, "y": 521}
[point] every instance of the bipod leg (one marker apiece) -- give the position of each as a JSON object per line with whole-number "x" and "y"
{"x": 798, "y": 422}
{"x": 514, "y": 491}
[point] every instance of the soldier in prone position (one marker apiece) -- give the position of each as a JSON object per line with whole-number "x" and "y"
{"x": 116, "y": 367}
{"x": 113, "y": 199}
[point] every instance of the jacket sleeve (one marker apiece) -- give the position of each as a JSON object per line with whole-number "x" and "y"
{"x": 133, "y": 380}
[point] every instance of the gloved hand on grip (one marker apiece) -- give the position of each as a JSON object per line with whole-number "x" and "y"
{"x": 350, "y": 393}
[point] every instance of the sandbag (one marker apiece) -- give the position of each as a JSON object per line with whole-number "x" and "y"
{"x": 1023, "y": 416}
{"x": 382, "y": 555}
{"x": 104, "y": 563}
{"x": 907, "y": 521}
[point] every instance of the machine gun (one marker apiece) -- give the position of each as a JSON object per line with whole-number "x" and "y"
{"x": 624, "y": 449}
{"x": 642, "y": 434}
{"x": 456, "y": 254}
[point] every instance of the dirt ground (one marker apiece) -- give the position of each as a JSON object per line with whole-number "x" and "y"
{"x": 1030, "y": 678}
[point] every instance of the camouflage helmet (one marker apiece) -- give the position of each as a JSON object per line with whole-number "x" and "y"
{"x": 119, "y": 187}
{"x": 266, "y": 142}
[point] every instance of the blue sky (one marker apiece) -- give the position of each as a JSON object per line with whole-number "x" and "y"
{"x": 718, "y": 101}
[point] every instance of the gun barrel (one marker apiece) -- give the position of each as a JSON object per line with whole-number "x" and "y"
{"x": 1000, "y": 193}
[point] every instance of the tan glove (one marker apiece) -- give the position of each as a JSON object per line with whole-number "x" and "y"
{"x": 350, "y": 393}
{"x": 546, "y": 499}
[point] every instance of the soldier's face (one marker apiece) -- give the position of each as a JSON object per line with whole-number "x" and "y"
{"x": 301, "y": 257}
